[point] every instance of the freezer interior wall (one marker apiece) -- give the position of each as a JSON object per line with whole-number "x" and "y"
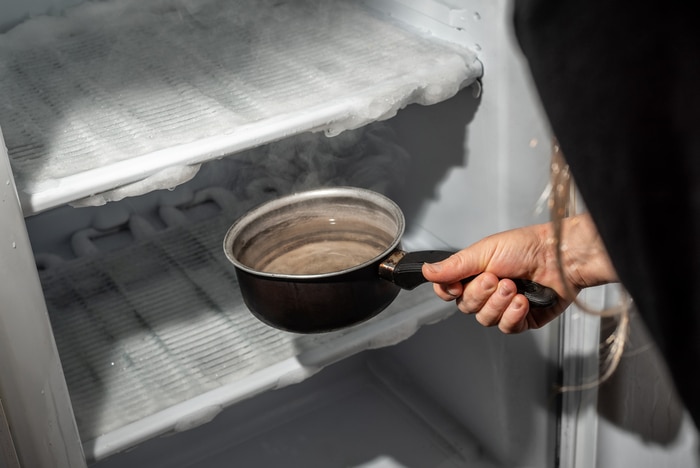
{"x": 483, "y": 164}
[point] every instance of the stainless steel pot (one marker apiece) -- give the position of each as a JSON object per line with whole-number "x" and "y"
{"x": 330, "y": 258}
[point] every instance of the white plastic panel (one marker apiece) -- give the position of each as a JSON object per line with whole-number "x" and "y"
{"x": 37, "y": 428}
{"x": 114, "y": 92}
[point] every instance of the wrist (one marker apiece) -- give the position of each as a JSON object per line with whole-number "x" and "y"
{"x": 584, "y": 258}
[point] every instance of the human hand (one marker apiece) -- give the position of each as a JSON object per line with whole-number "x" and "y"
{"x": 528, "y": 253}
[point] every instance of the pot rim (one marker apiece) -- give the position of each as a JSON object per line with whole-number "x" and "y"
{"x": 327, "y": 192}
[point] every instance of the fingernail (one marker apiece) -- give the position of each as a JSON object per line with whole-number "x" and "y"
{"x": 504, "y": 290}
{"x": 454, "y": 292}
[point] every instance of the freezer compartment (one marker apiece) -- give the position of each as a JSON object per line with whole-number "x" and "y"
{"x": 365, "y": 412}
{"x": 135, "y": 95}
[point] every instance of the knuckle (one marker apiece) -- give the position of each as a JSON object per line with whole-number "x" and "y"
{"x": 487, "y": 319}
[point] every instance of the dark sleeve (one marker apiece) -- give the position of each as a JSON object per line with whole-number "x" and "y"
{"x": 620, "y": 84}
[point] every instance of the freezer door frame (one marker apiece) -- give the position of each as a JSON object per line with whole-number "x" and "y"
{"x": 579, "y": 360}
{"x": 37, "y": 424}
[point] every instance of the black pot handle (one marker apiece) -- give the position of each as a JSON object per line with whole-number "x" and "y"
{"x": 405, "y": 270}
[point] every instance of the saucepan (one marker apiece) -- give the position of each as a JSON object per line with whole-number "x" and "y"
{"x": 330, "y": 258}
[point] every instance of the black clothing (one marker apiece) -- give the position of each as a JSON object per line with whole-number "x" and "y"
{"x": 620, "y": 83}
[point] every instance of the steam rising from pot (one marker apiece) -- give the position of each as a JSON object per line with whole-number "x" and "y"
{"x": 368, "y": 157}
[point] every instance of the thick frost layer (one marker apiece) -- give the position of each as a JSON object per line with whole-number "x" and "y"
{"x": 118, "y": 90}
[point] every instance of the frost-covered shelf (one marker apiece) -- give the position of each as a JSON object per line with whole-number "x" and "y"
{"x": 133, "y": 96}
{"x": 154, "y": 337}
{"x": 364, "y": 413}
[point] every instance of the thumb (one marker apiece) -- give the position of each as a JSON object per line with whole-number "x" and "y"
{"x": 456, "y": 267}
